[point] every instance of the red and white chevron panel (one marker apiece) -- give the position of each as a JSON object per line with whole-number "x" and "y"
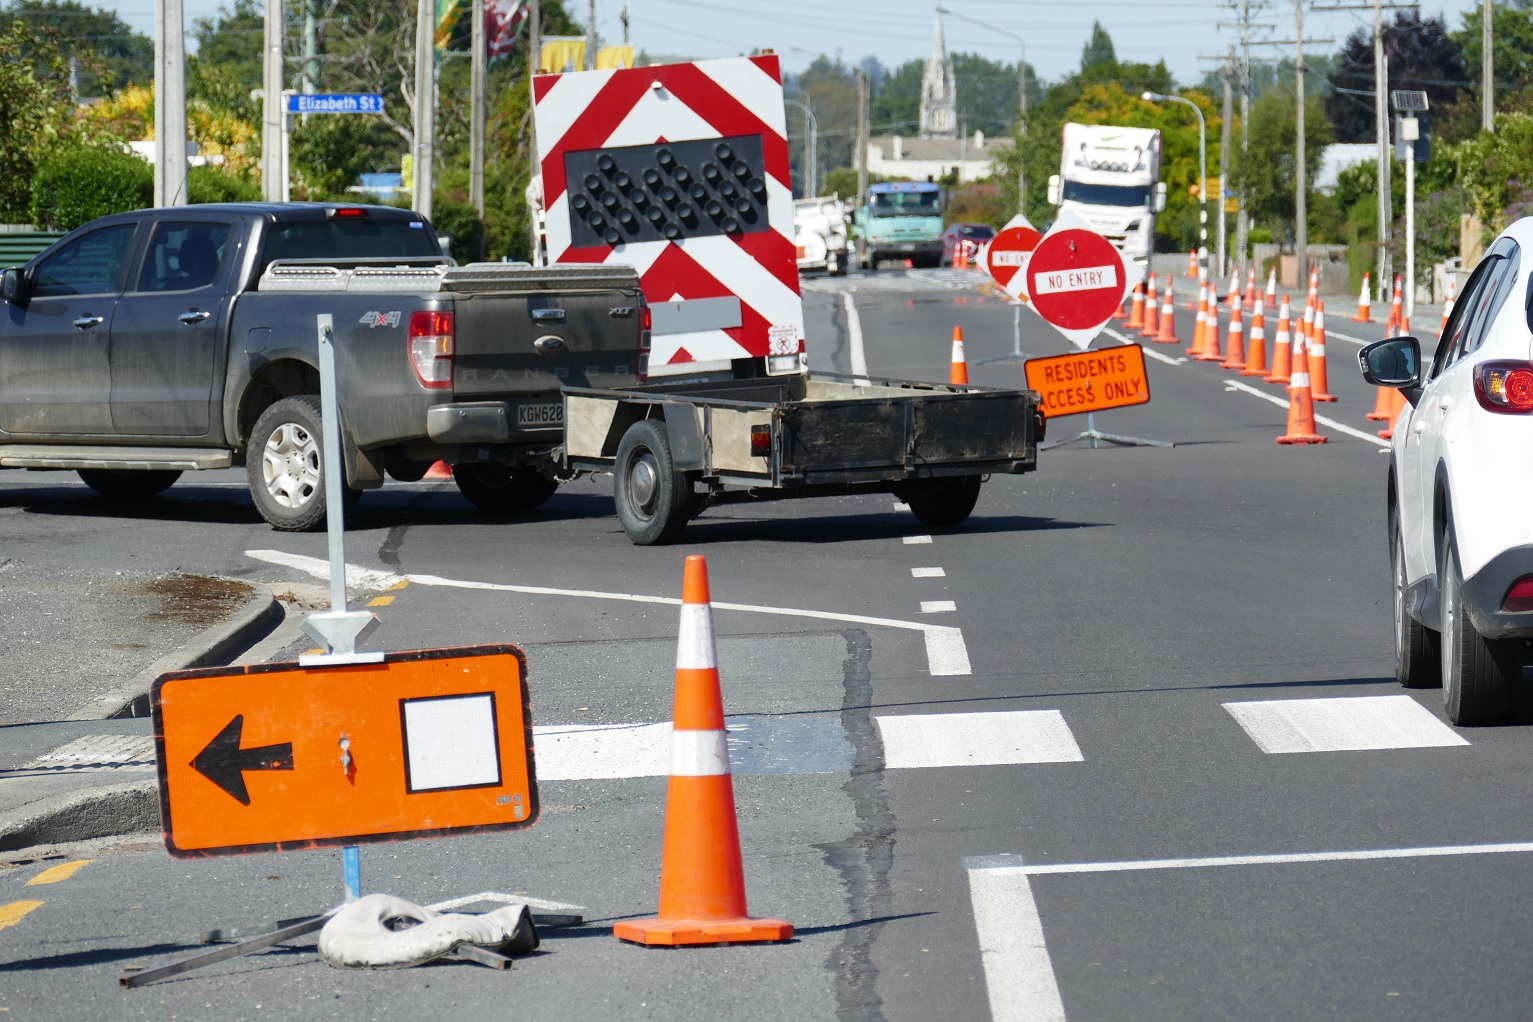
{"x": 680, "y": 171}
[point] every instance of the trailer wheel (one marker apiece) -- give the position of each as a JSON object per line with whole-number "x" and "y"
{"x": 653, "y": 500}
{"x": 943, "y": 503}
{"x": 502, "y": 489}
{"x": 126, "y": 483}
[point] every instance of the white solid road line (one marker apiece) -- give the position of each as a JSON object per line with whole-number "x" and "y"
{"x": 1350, "y": 724}
{"x": 855, "y": 353}
{"x": 946, "y": 652}
{"x": 1149, "y": 351}
{"x": 1234, "y": 385}
{"x": 995, "y": 738}
{"x": 1019, "y": 976}
{"x": 1012, "y": 864}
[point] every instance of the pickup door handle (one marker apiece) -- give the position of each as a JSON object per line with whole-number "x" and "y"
{"x": 86, "y": 322}
{"x": 191, "y": 316}
{"x": 548, "y": 315}
{"x": 548, "y": 345}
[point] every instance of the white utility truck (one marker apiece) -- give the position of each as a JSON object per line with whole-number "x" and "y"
{"x": 1109, "y": 177}
{"x": 819, "y": 234}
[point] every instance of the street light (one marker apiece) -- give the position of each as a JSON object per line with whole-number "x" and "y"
{"x": 1157, "y": 97}
{"x": 1021, "y": 98}
{"x": 813, "y": 132}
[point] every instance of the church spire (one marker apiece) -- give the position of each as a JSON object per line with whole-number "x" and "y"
{"x": 939, "y": 90}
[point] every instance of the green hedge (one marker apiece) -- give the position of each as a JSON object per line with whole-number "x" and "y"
{"x": 210, "y": 184}
{"x": 78, "y": 184}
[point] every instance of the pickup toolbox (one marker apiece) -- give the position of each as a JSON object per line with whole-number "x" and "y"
{"x": 146, "y": 344}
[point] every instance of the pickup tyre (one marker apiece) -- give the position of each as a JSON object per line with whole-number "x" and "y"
{"x": 285, "y": 465}
{"x": 503, "y": 489}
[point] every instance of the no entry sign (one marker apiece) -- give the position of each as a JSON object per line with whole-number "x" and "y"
{"x": 1007, "y": 256}
{"x": 1089, "y": 381}
{"x": 1076, "y": 280}
{"x": 275, "y": 757}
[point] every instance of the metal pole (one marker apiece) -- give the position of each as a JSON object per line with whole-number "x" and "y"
{"x": 272, "y": 114}
{"x": 862, "y": 138}
{"x": 477, "y": 72}
{"x": 287, "y": 150}
{"x": 1409, "y": 137}
{"x": 1487, "y": 67}
{"x": 1301, "y": 196}
{"x": 170, "y": 105}
{"x": 310, "y": 48}
{"x": 534, "y": 61}
{"x": 1022, "y": 132}
{"x": 591, "y": 39}
{"x": 1381, "y": 129}
{"x": 425, "y": 108}
{"x": 1243, "y": 220}
{"x": 1224, "y": 161}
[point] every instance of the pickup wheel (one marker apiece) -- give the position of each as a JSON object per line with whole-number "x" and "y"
{"x": 1418, "y": 662}
{"x": 654, "y": 501}
{"x": 284, "y": 465}
{"x": 1480, "y": 676}
{"x": 502, "y": 489}
{"x": 942, "y": 503}
{"x": 117, "y": 482}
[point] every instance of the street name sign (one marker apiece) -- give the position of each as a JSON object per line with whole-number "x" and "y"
{"x": 278, "y": 757}
{"x": 1076, "y": 280}
{"x": 335, "y": 103}
{"x": 1090, "y": 381}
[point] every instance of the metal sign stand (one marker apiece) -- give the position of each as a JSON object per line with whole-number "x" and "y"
{"x": 1093, "y": 434}
{"x": 1016, "y": 354}
{"x": 340, "y": 630}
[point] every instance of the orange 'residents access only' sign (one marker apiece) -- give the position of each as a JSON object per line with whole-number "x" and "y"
{"x": 1090, "y": 381}
{"x": 278, "y": 757}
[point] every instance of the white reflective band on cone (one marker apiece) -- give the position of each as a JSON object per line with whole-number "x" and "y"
{"x": 699, "y": 754}
{"x": 1300, "y": 381}
{"x": 694, "y": 640}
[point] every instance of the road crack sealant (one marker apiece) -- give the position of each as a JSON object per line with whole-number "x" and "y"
{"x": 863, "y": 860}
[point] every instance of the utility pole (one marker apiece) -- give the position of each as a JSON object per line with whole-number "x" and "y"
{"x": 1022, "y": 132}
{"x": 862, "y": 138}
{"x": 534, "y": 61}
{"x": 1244, "y": 10}
{"x": 1224, "y": 157}
{"x": 1301, "y": 193}
{"x": 1381, "y": 127}
{"x": 477, "y": 69}
{"x": 591, "y": 39}
{"x": 272, "y": 113}
{"x": 425, "y": 108}
{"x": 310, "y": 48}
{"x": 625, "y": 22}
{"x": 170, "y": 104}
{"x": 1487, "y": 68}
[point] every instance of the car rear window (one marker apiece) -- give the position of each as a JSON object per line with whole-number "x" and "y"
{"x": 359, "y": 238}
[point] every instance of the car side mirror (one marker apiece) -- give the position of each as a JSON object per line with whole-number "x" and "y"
{"x": 13, "y": 285}
{"x": 1054, "y": 189}
{"x": 1160, "y": 196}
{"x": 1393, "y": 362}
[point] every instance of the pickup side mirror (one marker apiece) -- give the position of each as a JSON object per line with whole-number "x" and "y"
{"x": 1054, "y": 189}
{"x": 14, "y": 286}
{"x": 1160, "y": 196}
{"x": 1393, "y": 362}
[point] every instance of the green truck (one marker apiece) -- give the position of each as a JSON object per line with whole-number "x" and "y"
{"x": 902, "y": 220}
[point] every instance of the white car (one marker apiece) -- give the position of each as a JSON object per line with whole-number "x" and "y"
{"x": 819, "y": 235}
{"x": 1461, "y": 490}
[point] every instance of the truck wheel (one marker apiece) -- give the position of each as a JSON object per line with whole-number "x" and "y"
{"x": 502, "y": 489}
{"x": 1418, "y": 663}
{"x": 117, "y": 482}
{"x": 284, "y": 465}
{"x": 943, "y": 503}
{"x": 653, "y": 500}
{"x": 1480, "y": 676}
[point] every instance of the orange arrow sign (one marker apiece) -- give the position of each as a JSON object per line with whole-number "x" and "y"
{"x": 275, "y": 757}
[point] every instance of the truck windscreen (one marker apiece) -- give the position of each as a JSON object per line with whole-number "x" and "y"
{"x": 904, "y": 204}
{"x": 350, "y": 239}
{"x": 1107, "y": 195}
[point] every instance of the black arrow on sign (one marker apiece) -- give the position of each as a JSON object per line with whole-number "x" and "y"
{"x": 224, "y": 763}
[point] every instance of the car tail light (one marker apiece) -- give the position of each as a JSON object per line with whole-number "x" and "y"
{"x": 646, "y": 322}
{"x": 1505, "y": 387}
{"x": 1519, "y": 598}
{"x": 431, "y": 348}
{"x": 349, "y": 213}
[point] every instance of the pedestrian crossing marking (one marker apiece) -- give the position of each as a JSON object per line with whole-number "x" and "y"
{"x": 1347, "y": 724}
{"x": 977, "y": 739}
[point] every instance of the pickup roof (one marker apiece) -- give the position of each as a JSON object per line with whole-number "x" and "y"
{"x": 146, "y": 344}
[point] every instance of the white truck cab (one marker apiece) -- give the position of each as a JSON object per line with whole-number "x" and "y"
{"x": 1109, "y": 177}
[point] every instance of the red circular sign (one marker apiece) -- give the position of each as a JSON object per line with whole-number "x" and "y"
{"x": 1075, "y": 279}
{"x": 1008, "y": 253}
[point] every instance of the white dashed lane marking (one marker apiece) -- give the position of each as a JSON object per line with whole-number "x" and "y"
{"x": 927, "y": 573}
{"x": 916, "y": 540}
{"x": 1342, "y": 725}
{"x": 938, "y": 606}
{"x": 977, "y": 739}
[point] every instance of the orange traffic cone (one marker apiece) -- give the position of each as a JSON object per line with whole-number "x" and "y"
{"x": 438, "y": 470}
{"x": 1272, "y": 290}
{"x": 1235, "y": 350}
{"x": 1383, "y": 403}
{"x": 702, "y": 880}
{"x": 1301, "y": 409}
{"x": 958, "y": 371}
{"x": 1447, "y": 310}
{"x": 1167, "y": 333}
{"x": 1396, "y": 311}
{"x": 1256, "y": 344}
{"x": 1136, "y": 313}
{"x": 1392, "y": 412}
{"x": 1232, "y": 299}
{"x": 1251, "y": 296}
{"x": 1314, "y": 284}
{"x": 1151, "y": 311}
{"x": 1364, "y": 303}
{"x": 1282, "y": 348}
{"x": 1200, "y": 322}
{"x": 1319, "y": 373}
{"x": 1210, "y": 351}
{"x": 1192, "y": 264}
{"x": 1306, "y": 325}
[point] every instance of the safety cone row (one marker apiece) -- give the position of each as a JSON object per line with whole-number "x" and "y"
{"x": 702, "y": 878}
{"x": 1151, "y": 312}
{"x": 1282, "y": 347}
{"x": 1167, "y": 334}
{"x": 1210, "y": 351}
{"x": 1136, "y": 312}
{"x": 1364, "y": 302}
{"x": 1256, "y": 344}
{"x": 958, "y": 370}
{"x": 1235, "y": 349}
{"x": 1301, "y": 408}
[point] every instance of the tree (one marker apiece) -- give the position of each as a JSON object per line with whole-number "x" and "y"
{"x": 231, "y": 42}
{"x": 1512, "y": 40}
{"x": 1497, "y": 169}
{"x": 896, "y": 105}
{"x": 36, "y": 109}
{"x": 1420, "y": 55}
{"x": 120, "y": 56}
{"x": 76, "y": 184}
{"x": 1267, "y": 173}
{"x": 1098, "y": 51}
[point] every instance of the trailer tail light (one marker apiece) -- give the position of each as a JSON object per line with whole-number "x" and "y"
{"x": 646, "y": 322}
{"x": 761, "y": 441}
{"x": 431, "y": 348}
{"x": 1519, "y": 598}
{"x": 1505, "y": 387}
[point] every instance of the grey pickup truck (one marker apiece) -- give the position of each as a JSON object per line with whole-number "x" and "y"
{"x": 147, "y": 344}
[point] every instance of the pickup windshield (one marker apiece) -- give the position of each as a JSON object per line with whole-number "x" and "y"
{"x": 904, "y": 204}
{"x": 350, "y": 238}
{"x": 1107, "y": 195}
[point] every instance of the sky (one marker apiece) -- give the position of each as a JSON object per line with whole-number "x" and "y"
{"x": 1182, "y": 32}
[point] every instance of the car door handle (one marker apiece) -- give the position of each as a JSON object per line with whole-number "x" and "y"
{"x": 86, "y": 322}
{"x": 548, "y": 315}
{"x": 548, "y": 345}
{"x": 191, "y": 316}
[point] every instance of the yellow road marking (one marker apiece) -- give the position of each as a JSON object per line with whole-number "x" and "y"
{"x": 16, "y": 911}
{"x": 380, "y": 601}
{"x": 63, "y": 871}
{"x": 398, "y": 585}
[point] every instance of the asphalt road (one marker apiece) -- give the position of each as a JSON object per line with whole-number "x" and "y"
{"x": 1160, "y": 772}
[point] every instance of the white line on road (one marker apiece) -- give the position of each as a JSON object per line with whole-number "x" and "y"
{"x": 916, "y": 540}
{"x": 1233, "y": 385}
{"x": 1350, "y": 724}
{"x": 855, "y": 353}
{"x": 1149, "y": 351}
{"x": 938, "y": 606}
{"x": 946, "y": 652}
{"x": 1014, "y": 865}
{"x": 1019, "y": 976}
{"x": 994, "y": 738}
{"x": 927, "y": 573}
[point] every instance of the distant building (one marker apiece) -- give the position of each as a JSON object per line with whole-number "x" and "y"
{"x": 939, "y": 90}
{"x": 970, "y": 158}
